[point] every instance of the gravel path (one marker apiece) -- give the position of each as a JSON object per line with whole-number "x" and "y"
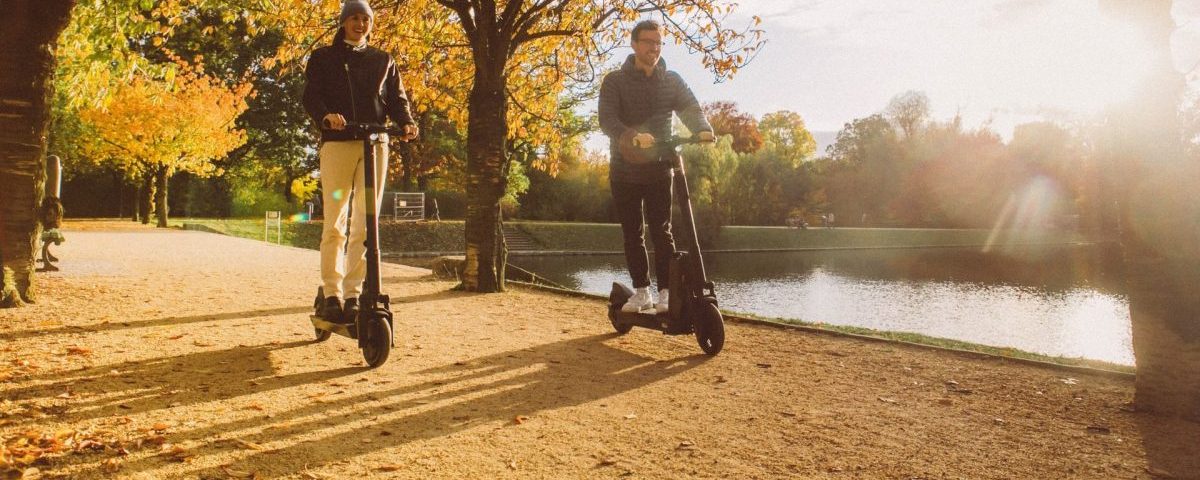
{"x": 178, "y": 354}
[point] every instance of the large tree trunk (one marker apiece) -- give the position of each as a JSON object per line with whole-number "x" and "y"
{"x": 161, "y": 176}
{"x": 29, "y": 30}
{"x": 487, "y": 131}
{"x": 1160, "y": 226}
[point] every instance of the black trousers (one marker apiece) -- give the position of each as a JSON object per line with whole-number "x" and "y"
{"x": 631, "y": 201}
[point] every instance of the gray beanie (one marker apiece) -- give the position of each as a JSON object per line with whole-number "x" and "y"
{"x": 351, "y": 7}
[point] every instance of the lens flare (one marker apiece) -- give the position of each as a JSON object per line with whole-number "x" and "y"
{"x": 1027, "y": 215}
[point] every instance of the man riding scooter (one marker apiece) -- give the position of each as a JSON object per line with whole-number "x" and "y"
{"x": 636, "y": 103}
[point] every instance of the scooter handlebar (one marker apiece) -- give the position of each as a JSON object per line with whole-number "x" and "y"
{"x": 370, "y": 128}
{"x": 674, "y": 141}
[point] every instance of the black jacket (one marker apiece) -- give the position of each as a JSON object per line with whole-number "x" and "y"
{"x": 362, "y": 85}
{"x": 630, "y": 100}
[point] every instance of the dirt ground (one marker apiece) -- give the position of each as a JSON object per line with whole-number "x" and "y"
{"x": 175, "y": 354}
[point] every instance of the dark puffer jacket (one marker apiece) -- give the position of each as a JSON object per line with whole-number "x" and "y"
{"x": 631, "y": 100}
{"x": 363, "y": 85}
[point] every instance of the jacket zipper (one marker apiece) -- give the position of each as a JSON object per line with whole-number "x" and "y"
{"x": 350, "y": 83}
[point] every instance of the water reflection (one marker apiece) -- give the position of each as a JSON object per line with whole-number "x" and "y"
{"x": 1051, "y": 300}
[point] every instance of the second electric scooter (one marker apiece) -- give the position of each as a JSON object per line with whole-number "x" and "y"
{"x": 693, "y": 303}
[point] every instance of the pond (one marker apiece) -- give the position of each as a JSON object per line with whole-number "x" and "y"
{"x": 1057, "y": 300}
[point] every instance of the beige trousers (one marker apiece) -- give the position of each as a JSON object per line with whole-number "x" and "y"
{"x": 343, "y": 267}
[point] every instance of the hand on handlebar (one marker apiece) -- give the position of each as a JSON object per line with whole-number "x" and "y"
{"x": 410, "y": 132}
{"x": 643, "y": 140}
{"x": 334, "y": 121}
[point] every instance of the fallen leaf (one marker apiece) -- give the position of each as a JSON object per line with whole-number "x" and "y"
{"x": 763, "y": 365}
{"x": 111, "y": 465}
{"x": 630, "y": 416}
{"x": 391, "y": 467}
{"x": 176, "y": 337}
{"x": 160, "y": 426}
{"x": 237, "y": 473}
{"x": 1069, "y": 381}
{"x": 250, "y": 445}
{"x": 1101, "y": 429}
{"x": 519, "y": 419}
{"x": 78, "y": 351}
{"x": 887, "y": 400}
{"x": 201, "y": 344}
{"x": 255, "y": 406}
{"x": 512, "y": 464}
{"x": 686, "y": 445}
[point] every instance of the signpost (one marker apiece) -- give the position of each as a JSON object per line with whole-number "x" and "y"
{"x": 274, "y": 217}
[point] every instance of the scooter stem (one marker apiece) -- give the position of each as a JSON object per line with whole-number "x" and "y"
{"x": 685, "y": 210}
{"x": 372, "y": 286}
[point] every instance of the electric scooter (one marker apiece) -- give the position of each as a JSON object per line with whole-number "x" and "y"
{"x": 692, "y": 307}
{"x": 373, "y": 328}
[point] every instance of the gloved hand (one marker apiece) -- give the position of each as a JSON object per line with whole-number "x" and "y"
{"x": 706, "y": 137}
{"x": 411, "y": 132}
{"x": 643, "y": 140}
{"x": 334, "y": 121}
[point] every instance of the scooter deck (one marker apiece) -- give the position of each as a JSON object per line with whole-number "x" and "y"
{"x": 338, "y": 328}
{"x": 654, "y": 321}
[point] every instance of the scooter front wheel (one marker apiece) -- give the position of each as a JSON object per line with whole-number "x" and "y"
{"x": 710, "y": 329}
{"x": 378, "y": 342}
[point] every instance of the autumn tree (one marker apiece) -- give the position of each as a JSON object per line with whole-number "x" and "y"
{"x": 786, "y": 131}
{"x": 158, "y": 127}
{"x": 726, "y": 119}
{"x": 1158, "y": 212}
{"x": 908, "y": 111}
{"x": 29, "y": 31}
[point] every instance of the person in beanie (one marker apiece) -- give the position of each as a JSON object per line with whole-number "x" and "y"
{"x": 350, "y": 82}
{"x": 636, "y": 103}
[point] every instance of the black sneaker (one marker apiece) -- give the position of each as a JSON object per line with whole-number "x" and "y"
{"x": 332, "y": 311}
{"x": 350, "y": 311}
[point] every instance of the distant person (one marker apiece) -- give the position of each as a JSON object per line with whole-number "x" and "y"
{"x": 350, "y": 81}
{"x": 825, "y": 220}
{"x": 829, "y": 221}
{"x": 636, "y": 103}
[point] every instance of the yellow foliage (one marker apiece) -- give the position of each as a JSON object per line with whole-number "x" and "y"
{"x": 183, "y": 125}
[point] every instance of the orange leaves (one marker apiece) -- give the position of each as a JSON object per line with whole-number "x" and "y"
{"x": 182, "y": 122}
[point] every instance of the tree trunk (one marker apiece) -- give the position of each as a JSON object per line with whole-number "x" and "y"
{"x": 1160, "y": 226}
{"x": 119, "y": 187}
{"x": 29, "y": 30}
{"x": 487, "y": 132}
{"x": 408, "y": 166}
{"x": 288, "y": 178}
{"x": 161, "y": 175}
{"x": 135, "y": 195}
{"x": 146, "y": 198}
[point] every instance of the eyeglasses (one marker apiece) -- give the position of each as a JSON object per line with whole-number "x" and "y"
{"x": 650, "y": 43}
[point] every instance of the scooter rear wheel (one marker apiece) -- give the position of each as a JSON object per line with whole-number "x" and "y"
{"x": 710, "y": 329}
{"x": 378, "y": 342}
{"x": 621, "y": 328}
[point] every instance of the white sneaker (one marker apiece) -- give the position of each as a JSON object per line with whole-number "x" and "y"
{"x": 638, "y": 302}
{"x": 664, "y": 302}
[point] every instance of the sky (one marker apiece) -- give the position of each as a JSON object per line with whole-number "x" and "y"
{"x": 994, "y": 62}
